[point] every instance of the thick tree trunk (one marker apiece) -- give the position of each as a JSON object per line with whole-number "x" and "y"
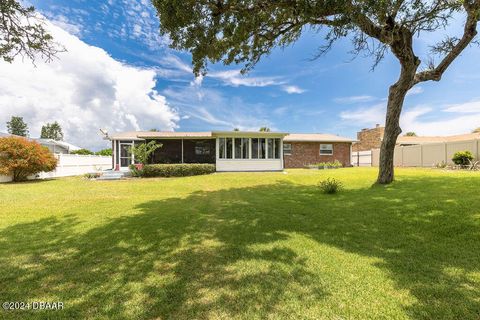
{"x": 396, "y": 97}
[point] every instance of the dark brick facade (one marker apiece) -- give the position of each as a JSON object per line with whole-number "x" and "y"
{"x": 305, "y": 153}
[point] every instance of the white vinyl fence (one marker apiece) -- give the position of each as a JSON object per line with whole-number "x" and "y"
{"x": 74, "y": 165}
{"x": 362, "y": 158}
{"x": 428, "y": 155}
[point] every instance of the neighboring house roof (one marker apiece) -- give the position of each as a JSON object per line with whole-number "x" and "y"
{"x": 62, "y": 144}
{"x": 4, "y": 135}
{"x": 437, "y": 139}
{"x": 315, "y": 137}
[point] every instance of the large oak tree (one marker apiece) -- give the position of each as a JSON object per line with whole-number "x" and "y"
{"x": 243, "y": 31}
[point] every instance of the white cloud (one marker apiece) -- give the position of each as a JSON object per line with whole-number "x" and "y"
{"x": 209, "y": 106}
{"x": 467, "y": 107}
{"x": 67, "y": 25}
{"x": 290, "y": 89}
{"x": 117, "y": 19}
{"x": 234, "y": 78}
{"x": 354, "y": 99}
{"x": 413, "y": 121}
{"x": 84, "y": 90}
{"x": 422, "y": 119}
{"x": 365, "y": 116}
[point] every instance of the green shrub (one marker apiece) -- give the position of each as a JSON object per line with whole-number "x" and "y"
{"x": 83, "y": 152}
{"x": 335, "y": 164}
{"x": 176, "y": 170}
{"x": 462, "y": 158}
{"x": 104, "y": 152}
{"x": 330, "y": 186}
{"x": 93, "y": 175}
{"x": 135, "y": 171}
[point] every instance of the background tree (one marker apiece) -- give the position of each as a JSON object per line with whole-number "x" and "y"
{"x": 476, "y": 130}
{"x": 104, "y": 152}
{"x": 410, "y": 134}
{"x": 21, "y": 158}
{"x": 236, "y": 129}
{"x": 52, "y": 131}
{"x": 22, "y": 32}
{"x": 264, "y": 129}
{"x": 83, "y": 152}
{"x": 243, "y": 31}
{"x": 154, "y": 130}
{"x": 17, "y": 126}
{"x": 142, "y": 151}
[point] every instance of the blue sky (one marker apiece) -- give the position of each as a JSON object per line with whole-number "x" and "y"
{"x": 286, "y": 91}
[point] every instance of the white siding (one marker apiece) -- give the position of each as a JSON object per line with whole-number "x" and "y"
{"x": 249, "y": 165}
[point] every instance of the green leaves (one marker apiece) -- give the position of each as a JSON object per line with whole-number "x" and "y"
{"x": 142, "y": 151}
{"x": 22, "y": 32}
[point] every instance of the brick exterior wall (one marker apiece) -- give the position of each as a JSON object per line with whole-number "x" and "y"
{"x": 305, "y": 153}
{"x": 369, "y": 139}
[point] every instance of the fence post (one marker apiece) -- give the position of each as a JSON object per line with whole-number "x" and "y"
{"x": 445, "y": 146}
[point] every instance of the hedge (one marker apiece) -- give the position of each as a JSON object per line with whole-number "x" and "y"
{"x": 177, "y": 170}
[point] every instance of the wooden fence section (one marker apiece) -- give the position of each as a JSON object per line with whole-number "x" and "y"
{"x": 428, "y": 155}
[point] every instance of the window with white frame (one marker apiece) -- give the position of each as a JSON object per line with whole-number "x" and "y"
{"x": 242, "y": 148}
{"x": 287, "y": 149}
{"x": 273, "y": 147}
{"x": 258, "y": 148}
{"x": 225, "y": 148}
{"x": 249, "y": 148}
{"x": 326, "y": 149}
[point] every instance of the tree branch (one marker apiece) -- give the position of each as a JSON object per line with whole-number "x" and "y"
{"x": 469, "y": 33}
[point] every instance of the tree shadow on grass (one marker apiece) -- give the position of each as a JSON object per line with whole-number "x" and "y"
{"x": 229, "y": 253}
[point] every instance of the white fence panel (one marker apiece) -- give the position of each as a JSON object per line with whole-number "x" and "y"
{"x": 362, "y": 158}
{"x": 74, "y": 165}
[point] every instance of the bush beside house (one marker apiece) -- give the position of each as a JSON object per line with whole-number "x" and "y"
{"x": 176, "y": 170}
{"x": 21, "y": 158}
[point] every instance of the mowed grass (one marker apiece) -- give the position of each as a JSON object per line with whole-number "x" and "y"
{"x": 245, "y": 246}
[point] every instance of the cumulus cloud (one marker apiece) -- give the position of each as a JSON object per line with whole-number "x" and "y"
{"x": 84, "y": 90}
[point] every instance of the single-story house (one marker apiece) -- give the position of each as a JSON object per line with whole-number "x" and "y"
{"x": 234, "y": 150}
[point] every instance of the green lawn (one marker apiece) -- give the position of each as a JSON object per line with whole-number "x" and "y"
{"x": 245, "y": 246}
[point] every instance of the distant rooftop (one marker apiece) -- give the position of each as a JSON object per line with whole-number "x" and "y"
{"x": 437, "y": 139}
{"x": 316, "y": 137}
{"x": 140, "y": 135}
